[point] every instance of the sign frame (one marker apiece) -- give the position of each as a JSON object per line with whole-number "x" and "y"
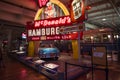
{"x": 99, "y": 55}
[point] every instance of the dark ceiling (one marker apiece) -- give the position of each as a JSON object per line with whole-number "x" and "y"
{"x": 104, "y": 9}
{"x": 104, "y": 13}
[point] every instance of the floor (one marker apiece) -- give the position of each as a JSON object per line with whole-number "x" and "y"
{"x": 14, "y": 70}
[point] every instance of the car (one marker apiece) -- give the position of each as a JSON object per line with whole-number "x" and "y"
{"x": 49, "y": 53}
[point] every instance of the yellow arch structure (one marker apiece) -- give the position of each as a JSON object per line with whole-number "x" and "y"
{"x": 66, "y": 12}
{"x": 58, "y": 3}
{"x": 32, "y": 48}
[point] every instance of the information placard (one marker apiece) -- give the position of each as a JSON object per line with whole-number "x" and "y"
{"x": 99, "y": 55}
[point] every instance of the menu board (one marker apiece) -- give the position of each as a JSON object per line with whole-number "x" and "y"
{"x": 99, "y": 55}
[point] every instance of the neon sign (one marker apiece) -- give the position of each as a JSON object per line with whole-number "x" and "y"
{"x": 76, "y": 4}
{"x": 43, "y": 31}
{"x": 78, "y": 10}
{"x": 66, "y": 20}
{"x": 55, "y": 37}
{"x": 42, "y": 2}
{"x": 46, "y": 32}
{"x": 47, "y": 29}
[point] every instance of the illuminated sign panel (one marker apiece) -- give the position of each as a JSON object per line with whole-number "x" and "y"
{"x": 53, "y": 22}
{"x": 78, "y": 10}
{"x": 48, "y": 29}
{"x": 76, "y": 4}
{"x": 43, "y": 31}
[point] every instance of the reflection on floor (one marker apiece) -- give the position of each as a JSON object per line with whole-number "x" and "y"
{"x": 15, "y": 70}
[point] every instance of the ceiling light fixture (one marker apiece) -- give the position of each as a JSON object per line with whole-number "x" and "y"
{"x": 103, "y": 19}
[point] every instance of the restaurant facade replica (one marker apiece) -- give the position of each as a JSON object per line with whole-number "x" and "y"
{"x": 54, "y": 21}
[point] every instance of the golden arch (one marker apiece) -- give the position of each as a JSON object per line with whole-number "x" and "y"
{"x": 58, "y": 3}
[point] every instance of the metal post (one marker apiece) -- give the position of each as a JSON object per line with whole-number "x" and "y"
{"x": 79, "y": 52}
{"x": 92, "y": 66}
{"x": 65, "y": 70}
{"x": 107, "y": 70}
